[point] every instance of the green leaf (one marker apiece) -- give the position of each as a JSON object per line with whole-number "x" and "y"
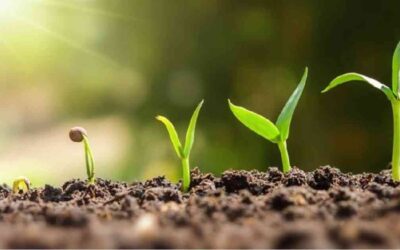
{"x": 172, "y": 135}
{"x": 285, "y": 117}
{"x": 256, "y": 122}
{"x": 358, "y": 77}
{"x": 396, "y": 71}
{"x": 191, "y": 129}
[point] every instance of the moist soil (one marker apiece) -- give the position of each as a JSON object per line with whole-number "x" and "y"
{"x": 240, "y": 209}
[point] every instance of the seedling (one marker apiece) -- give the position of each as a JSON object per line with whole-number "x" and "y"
{"x": 183, "y": 152}
{"x": 392, "y": 94}
{"x": 21, "y": 184}
{"x": 79, "y": 134}
{"x": 279, "y": 132}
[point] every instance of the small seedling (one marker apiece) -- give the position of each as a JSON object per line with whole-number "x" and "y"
{"x": 392, "y": 94}
{"x": 183, "y": 152}
{"x": 79, "y": 134}
{"x": 279, "y": 132}
{"x": 21, "y": 184}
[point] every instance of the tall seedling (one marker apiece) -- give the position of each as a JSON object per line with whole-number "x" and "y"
{"x": 391, "y": 94}
{"x": 183, "y": 152}
{"x": 279, "y": 132}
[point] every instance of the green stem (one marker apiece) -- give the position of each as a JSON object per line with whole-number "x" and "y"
{"x": 396, "y": 140}
{"x": 185, "y": 174}
{"x": 285, "y": 156}
{"x": 89, "y": 160}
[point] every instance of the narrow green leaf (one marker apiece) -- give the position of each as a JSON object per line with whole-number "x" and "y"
{"x": 172, "y": 135}
{"x": 285, "y": 117}
{"x": 396, "y": 71}
{"x": 255, "y": 122}
{"x": 358, "y": 77}
{"x": 191, "y": 130}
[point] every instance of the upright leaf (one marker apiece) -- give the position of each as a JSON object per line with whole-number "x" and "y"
{"x": 191, "y": 130}
{"x": 396, "y": 71}
{"x": 285, "y": 117}
{"x": 256, "y": 122}
{"x": 358, "y": 77}
{"x": 172, "y": 135}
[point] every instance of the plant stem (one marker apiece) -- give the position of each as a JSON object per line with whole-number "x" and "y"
{"x": 89, "y": 160}
{"x": 396, "y": 140}
{"x": 185, "y": 174}
{"x": 285, "y": 156}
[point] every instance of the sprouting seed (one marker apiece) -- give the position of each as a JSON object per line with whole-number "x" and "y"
{"x": 393, "y": 95}
{"x": 79, "y": 134}
{"x": 21, "y": 184}
{"x": 279, "y": 132}
{"x": 183, "y": 152}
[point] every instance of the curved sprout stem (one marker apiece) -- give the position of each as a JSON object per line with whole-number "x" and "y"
{"x": 89, "y": 160}
{"x": 285, "y": 156}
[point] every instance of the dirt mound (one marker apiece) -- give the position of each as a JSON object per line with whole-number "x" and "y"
{"x": 240, "y": 209}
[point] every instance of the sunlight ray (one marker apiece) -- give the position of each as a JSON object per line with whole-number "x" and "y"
{"x": 66, "y": 41}
{"x": 99, "y": 12}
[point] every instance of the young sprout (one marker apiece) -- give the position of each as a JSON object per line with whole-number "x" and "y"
{"x": 279, "y": 132}
{"x": 21, "y": 184}
{"x": 392, "y": 94}
{"x": 79, "y": 134}
{"x": 183, "y": 152}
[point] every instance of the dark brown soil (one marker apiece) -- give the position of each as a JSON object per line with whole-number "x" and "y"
{"x": 241, "y": 209}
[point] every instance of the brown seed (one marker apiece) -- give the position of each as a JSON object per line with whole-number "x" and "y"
{"x": 76, "y": 134}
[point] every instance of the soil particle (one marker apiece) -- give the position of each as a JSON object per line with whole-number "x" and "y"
{"x": 241, "y": 209}
{"x": 68, "y": 217}
{"x": 323, "y": 178}
{"x": 296, "y": 177}
{"x": 4, "y": 191}
{"x": 274, "y": 175}
{"x": 299, "y": 237}
{"x": 234, "y": 181}
{"x": 345, "y": 209}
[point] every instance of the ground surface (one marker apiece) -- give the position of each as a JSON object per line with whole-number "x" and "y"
{"x": 240, "y": 209}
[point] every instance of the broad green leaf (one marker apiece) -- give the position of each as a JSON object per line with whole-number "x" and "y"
{"x": 172, "y": 135}
{"x": 396, "y": 71}
{"x": 191, "y": 129}
{"x": 256, "y": 122}
{"x": 358, "y": 77}
{"x": 285, "y": 117}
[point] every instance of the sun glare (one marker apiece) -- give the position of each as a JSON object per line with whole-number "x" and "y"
{"x": 19, "y": 19}
{"x": 7, "y": 7}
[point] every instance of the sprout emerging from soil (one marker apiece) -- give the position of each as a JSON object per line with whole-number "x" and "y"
{"x": 183, "y": 152}
{"x": 79, "y": 134}
{"x": 392, "y": 94}
{"x": 21, "y": 184}
{"x": 279, "y": 132}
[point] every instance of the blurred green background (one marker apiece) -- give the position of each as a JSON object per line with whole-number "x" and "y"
{"x": 111, "y": 66}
